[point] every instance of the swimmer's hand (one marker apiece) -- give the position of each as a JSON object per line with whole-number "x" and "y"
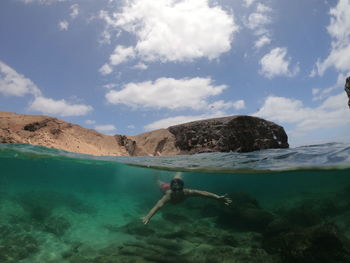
{"x": 145, "y": 220}
{"x": 227, "y": 201}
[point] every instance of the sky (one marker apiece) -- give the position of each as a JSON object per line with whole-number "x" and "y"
{"x": 131, "y": 66}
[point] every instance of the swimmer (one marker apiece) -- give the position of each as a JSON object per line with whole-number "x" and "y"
{"x": 174, "y": 192}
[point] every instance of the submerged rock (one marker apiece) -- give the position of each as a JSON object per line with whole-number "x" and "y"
{"x": 245, "y": 214}
{"x": 227, "y": 254}
{"x": 16, "y": 244}
{"x": 321, "y": 244}
{"x": 56, "y": 225}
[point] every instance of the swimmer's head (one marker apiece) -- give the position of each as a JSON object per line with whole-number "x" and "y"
{"x": 176, "y": 185}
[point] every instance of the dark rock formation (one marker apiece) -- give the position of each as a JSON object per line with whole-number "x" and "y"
{"x": 347, "y": 89}
{"x": 235, "y": 133}
{"x": 34, "y": 126}
{"x": 244, "y": 214}
{"x": 129, "y": 144}
{"x": 323, "y": 243}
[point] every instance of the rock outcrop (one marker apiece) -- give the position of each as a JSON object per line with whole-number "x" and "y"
{"x": 235, "y": 133}
{"x": 347, "y": 89}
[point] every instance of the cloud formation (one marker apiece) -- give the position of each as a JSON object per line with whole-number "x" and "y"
{"x": 120, "y": 54}
{"x": 248, "y": 3}
{"x": 276, "y": 63}
{"x": 338, "y": 29}
{"x": 63, "y": 25}
{"x": 332, "y": 112}
{"x": 58, "y": 107}
{"x": 90, "y": 122}
{"x": 15, "y": 84}
{"x": 165, "y": 123}
{"x": 262, "y": 41}
{"x": 107, "y": 128}
{"x": 172, "y": 94}
{"x": 171, "y": 30}
{"x": 74, "y": 11}
{"x": 43, "y": 2}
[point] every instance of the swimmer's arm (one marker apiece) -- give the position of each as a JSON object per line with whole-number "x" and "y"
{"x": 224, "y": 198}
{"x": 154, "y": 210}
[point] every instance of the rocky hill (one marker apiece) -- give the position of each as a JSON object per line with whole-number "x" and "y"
{"x": 235, "y": 133}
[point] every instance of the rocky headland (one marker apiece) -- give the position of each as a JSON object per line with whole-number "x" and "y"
{"x": 347, "y": 89}
{"x": 234, "y": 133}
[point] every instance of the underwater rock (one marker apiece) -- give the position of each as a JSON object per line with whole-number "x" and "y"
{"x": 210, "y": 210}
{"x": 175, "y": 218}
{"x": 16, "y": 244}
{"x": 323, "y": 243}
{"x": 39, "y": 205}
{"x": 242, "y": 200}
{"x": 234, "y": 133}
{"x": 312, "y": 212}
{"x": 226, "y": 254}
{"x": 150, "y": 250}
{"x": 137, "y": 228}
{"x": 56, "y": 225}
{"x": 278, "y": 226}
{"x": 245, "y": 214}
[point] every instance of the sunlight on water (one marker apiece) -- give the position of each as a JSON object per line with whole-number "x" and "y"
{"x": 63, "y": 207}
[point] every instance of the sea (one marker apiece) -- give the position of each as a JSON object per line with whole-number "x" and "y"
{"x": 288, "y": 205}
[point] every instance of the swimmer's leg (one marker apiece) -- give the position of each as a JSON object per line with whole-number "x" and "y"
{"x": 156, "y": 178}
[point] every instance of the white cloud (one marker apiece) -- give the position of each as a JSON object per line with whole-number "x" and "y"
{"x": 121, "y": 54}
{"x": 165, "y": 123}
{"x": 258, "y": 20}
{"x": 63, "y": 25}
{"x": 106, "y": 69}
{"x": 167, "y": 93}
{"x": 248, "y": 3}
{"x": 140, "y": 66}
{"x": 44, "y": 2}
{"x": 171, "y": 30}
{"x": 90, "y": 122}
{"x": 276, "y": 63}
{"x": 15, "y": 84}
{"x": 110, "y": 86}
{"x": 131, "y": 126}
{"x": 332, "y": 113}
{"x": 74, "y": 11}
{"x": 262, "y": 41}
{"x": 319, "y": 94}
{"x": 58, "y": 107}
{"x": 339, "y": 30}
{"x": 108, "y": 128}
{"x": 222, "y": 105}
{"x": 261, "y": 8}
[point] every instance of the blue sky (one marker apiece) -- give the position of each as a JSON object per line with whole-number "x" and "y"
{"x": 126, "y": 67}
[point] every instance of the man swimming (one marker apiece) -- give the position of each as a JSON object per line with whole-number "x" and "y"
{"x": 176, "y": 193}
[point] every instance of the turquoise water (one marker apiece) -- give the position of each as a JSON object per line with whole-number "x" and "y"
{"x": 290, "y": 205}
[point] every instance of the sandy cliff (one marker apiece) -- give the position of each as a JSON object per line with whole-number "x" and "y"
{"x": 55, "y": 133}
